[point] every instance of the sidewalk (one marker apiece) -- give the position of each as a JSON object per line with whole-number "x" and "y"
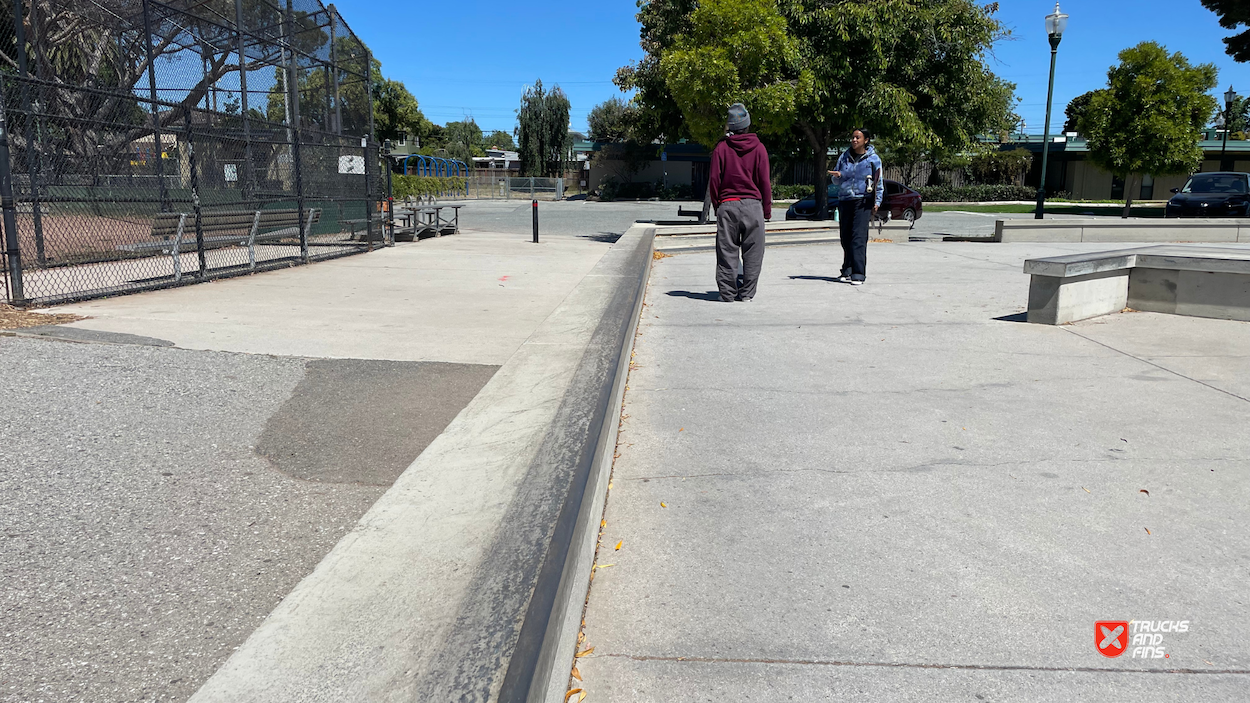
{"x": 899, "y": 492}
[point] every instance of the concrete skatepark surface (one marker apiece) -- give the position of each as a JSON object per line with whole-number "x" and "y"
{"x": 209, "y": 481}
{"x": 900, "y": 492}
{"x": 730, "y": 599}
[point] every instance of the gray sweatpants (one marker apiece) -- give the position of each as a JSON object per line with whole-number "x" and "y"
{"x": 739, "y": 226}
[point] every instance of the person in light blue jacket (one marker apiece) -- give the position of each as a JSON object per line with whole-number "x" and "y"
{"x": 860, "y": 191}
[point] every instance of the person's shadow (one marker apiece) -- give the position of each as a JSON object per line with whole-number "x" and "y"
{"x": 711, "y": 295}
{"x": 830, "y": 279}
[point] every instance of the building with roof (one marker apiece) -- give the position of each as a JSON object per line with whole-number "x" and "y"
{"x": 1070, "y": 170}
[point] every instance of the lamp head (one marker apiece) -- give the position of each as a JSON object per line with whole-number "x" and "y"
{"x": 1230, "y": 96}
{"x": 1056, "y": 23}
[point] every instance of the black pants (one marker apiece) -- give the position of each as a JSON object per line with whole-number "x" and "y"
{"x": 739, "y": 227}
{"x": 854, "y": 216}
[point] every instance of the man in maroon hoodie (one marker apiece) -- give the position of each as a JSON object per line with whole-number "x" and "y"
{"x": 743, "y": 196}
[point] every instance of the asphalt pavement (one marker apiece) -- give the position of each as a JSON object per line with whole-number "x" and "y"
{"x": 903, "y": 492}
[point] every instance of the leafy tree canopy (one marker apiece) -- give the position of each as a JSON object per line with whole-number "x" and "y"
{"x": 612, "y": 120}
{"x": 913, "y": 71}
{"x": 1150, "y": 116}
{"x": 1233, "y": 14}
{"x": 735, "y": 51}
{"x": 498, "y": 140}
{"x": 396, "y": 110}
{"x": 543, "y": 130}
{"x": 1075, "y": 109}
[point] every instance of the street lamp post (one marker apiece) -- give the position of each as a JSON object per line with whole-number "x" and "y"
{"x": 1229, "y": 97}
{"x": 1056, "y": 22}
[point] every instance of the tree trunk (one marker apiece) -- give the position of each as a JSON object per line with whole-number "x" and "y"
{"x": 819, "y": 141}
{"x": 1128, "y": 195}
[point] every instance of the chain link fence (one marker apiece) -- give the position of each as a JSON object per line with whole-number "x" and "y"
{"x": 147, "y": 144}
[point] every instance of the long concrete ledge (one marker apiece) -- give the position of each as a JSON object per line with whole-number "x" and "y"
{"x": 1180, "y": 280}
{"x": 466, "y": 580}
{"x": 1131, "y": 230}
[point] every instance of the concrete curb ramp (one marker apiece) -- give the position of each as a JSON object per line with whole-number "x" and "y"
{"x": 1130, "y": 230}
{"x": 466, "y": 580}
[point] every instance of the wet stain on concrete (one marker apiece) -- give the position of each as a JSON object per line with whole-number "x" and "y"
{"x": 364, "y": 421}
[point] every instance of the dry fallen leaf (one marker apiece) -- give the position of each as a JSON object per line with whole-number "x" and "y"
{"x": 609, "y": 485}
{"x": 604, "y": 566}
{"x": 584, "y": 652}
{"x": 571, "y": 693}
{"x": 663, "y": 504}
{"x": 1147, "y": 529}
{"x": 1083, "y": 488}
{"x": 581, "y": 697}
{"x": 618, "y": 545}
{"x": 581, "y": 637}
{"x": 577, "y": 674}
{"x": 682, "y": 429}
{"x": 603, "y": 523}
{"x": 1144, "y": 491}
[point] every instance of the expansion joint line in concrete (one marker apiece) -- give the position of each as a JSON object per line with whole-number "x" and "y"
{"x": 917, "y": 665}
{"x": 1157, "y": 366}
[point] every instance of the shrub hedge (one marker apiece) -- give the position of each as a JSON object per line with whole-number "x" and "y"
{"x": 975, "y": 194}
{"x": 792, "y": 192}
{"x": 416, "y": 186}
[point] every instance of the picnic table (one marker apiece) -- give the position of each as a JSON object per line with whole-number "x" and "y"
{"x": 428, "y": 221}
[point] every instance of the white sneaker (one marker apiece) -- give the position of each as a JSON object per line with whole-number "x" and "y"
{"x": 856, "y": 283}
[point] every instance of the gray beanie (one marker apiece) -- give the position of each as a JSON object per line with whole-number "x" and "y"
{"x": 739, "y": 118}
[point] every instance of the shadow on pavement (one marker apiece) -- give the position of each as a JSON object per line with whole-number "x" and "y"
{"x": 710, "y": 295}
{"x": 605, "y": 237}
{"x": 1018, "y": 317}
{"x": 830, "y": 279}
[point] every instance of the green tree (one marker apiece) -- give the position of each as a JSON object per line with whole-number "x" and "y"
{"x": 396, "y": 110}
{"x": 1149, "y": 118}
{"x": 1233, "y": 14}
{"x": 1075, "y": 109}
{"x": 658, "y": 116}
{"x": 611, "y": 121}
{"x": 734, "y": 51}
{"x": 543, "y": 131}
{"x": 498, "y": 140}
{"x": 913, "y": 71}
{"x": 463, "y": 140}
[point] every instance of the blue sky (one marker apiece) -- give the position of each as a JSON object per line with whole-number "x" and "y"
{"x": 474, "y": 57}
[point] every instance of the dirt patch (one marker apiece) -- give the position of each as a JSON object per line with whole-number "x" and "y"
{"x": 12, "y": 318}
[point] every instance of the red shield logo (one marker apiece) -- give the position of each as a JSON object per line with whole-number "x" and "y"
{"x": 1111, "y": 637}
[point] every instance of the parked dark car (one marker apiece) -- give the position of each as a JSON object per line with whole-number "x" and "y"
{"x": 901, "y": 202}
{"x": 1215, "y": 194}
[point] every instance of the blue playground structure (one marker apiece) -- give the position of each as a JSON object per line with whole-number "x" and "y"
{"x": 420, "y": 165}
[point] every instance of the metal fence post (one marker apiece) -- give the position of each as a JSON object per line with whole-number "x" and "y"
{"x": 370, "y": 197}
{"x": 19, "y": 26}
{"x": 195, "y": 194}
{"x": 11, "y": 241}
{"x": 159, "y": 145}
{"x": 334, "y": 75}
{"x": 292, "y": 91}
{"x": 249, "y": 169}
